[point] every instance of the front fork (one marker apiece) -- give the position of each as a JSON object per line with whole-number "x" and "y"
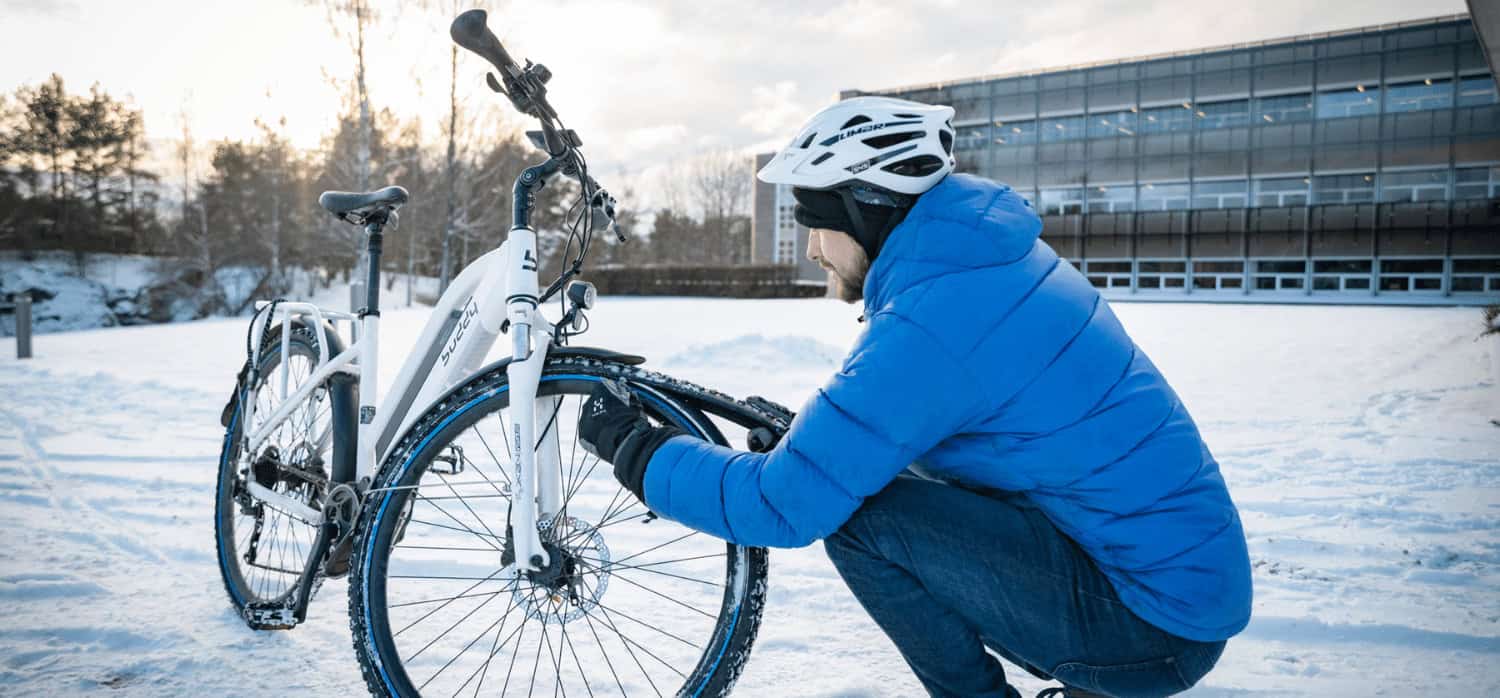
{"x": 536, "y": 493}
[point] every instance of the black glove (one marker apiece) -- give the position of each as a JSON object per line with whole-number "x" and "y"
{"x": 613, "y": 428}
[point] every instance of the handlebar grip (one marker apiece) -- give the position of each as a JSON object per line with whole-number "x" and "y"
{"x": 470, "y": 31}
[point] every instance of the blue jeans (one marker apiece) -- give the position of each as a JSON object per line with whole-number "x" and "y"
{"x": 947, "y": 572}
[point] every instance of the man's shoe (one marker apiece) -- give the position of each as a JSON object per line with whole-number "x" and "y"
{"x": 1065, "y": 692}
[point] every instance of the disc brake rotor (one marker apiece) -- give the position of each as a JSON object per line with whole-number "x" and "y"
{"x": 574, "y": 580}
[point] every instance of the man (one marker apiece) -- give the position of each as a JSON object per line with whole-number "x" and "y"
{"x": 1060, "y": 509}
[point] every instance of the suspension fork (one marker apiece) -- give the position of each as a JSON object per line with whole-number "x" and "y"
{"x": 536, "y": 491}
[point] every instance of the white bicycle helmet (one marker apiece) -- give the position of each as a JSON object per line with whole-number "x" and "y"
{"x": 894, "y": 144}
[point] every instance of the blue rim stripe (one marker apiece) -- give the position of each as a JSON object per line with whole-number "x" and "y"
{"x": 370, "y": 544}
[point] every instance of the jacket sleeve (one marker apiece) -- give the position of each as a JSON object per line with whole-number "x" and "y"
{"x": 898, "y": 394}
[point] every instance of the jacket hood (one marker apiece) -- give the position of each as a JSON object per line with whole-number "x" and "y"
{"x": 962, "y": 223}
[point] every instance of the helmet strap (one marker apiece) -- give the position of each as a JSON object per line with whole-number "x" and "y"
{"x": 855, "y": 203}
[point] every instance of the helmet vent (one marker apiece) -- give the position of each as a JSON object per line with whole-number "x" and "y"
{"x": 907, "y": 116}
{"x": 946, "y": 137}
{"x": 919, "y": 166}
{"x": 861, "y": 119}
{"x": 808, "y": 141}
{"x": 822, "y": 158}
{"x": 888, "y": 140}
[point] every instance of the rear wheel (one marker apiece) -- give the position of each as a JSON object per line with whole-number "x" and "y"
{"x": 262, "y": 546}
{"x": 630, "y": 605}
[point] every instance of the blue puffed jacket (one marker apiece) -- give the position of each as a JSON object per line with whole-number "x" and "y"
{"x": 989, "y": 361}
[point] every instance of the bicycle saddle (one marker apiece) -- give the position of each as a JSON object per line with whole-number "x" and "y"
{"x": 340, "y": 203}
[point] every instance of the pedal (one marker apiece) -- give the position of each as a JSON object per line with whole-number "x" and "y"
{"x": 450, "y": 462}
{"x": 267, "y": 616}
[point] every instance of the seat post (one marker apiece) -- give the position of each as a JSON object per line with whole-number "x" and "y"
{"x": 373, "y": 240}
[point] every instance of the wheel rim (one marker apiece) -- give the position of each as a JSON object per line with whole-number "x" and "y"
{"x": 630, "y": 605}
{"x": 268, "y": 546}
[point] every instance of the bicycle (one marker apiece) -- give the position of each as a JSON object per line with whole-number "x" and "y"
{"x": 446, "y": 525}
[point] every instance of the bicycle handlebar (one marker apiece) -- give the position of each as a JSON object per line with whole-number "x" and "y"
{"x": 527, "y": 89}
{"x": 471, "y": 31}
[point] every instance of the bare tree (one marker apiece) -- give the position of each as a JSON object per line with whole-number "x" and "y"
{"x": 339, "y": 12}
{"x": 719, "y": 183}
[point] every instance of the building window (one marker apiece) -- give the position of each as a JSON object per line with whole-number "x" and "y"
{"x": 1161, "y": 274}
{"x": 1344, "y": 189}
{"x": 1015, "y": 132}
{"x": 971, "y": 137}
{"x": 1062, "y": 201}
{"x": 1283, "y": 109}
{"x": 1279, "y": 274}
{"x": 1354, "y": 102}
{"x": 1113, "y": 198}
{"x": 1164, "y": 197}
{"x": 1066, "y": 128}
{"x": 1219, "y": 194}
{"x": 1218, "y": 275}
{"x": 1107, "y": 124}
{"x": 1476, "y": 275}
{"x": 1419, "y": 96}
{"x": 1229, "y": 114}
{"x": 1476, "y": 182}
{"x": 1178, "y": 117}
{"x": 1423, "y": 185}
{"x": 1107, "y": 273}
{"x": 1341, "y": 274}
{"x": 1281, "y": 191}
{"x": 784, "y": 233}
{"x": 1476, "y": 91}
{"x": 786, "y": 252}
{"x": 1411, "y": 275}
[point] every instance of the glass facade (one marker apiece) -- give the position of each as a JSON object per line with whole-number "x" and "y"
{"x": 1358, "y": 165}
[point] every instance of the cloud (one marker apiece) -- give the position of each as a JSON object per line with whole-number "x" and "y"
{"x": 774, "y": 109}
{"x": 644, "y": 82}
{"x": 60, "y": 9}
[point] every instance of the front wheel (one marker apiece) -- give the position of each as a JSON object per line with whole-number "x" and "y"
{"x": 631, "y": 604}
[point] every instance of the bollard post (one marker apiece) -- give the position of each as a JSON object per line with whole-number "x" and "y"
{"x": 23, "y": 326}
{"x": 1494, "y": 337}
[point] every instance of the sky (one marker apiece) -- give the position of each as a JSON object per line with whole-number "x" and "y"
{"x": 646, "y": 83}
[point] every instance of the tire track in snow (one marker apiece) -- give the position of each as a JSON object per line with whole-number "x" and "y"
{"x": 90, "y": 522}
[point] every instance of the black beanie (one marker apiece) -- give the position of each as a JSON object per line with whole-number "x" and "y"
{"x": 837, "y": 209}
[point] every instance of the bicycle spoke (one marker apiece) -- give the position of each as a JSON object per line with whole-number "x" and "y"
{"x": 604, "y": 654}
{"x": 531, "y": 687}
{"x": 443, "y": 634}
{"x": 493, "y": 457}
{"x": 477, "y": 534}
{"x": 612, "y": 565}
{"x": 461, "y": 500}
{"x": 448, "y": 601}
{"x": 471, "y": 531}
{"x": 638, "y": 621}
{"x": 680, "y": 538}
{"x": 477, "y": 638}
{"x": 576, "y": 662}
{"x": 556, "y": 665}
{"x": 642, "y": 648}
{"x": 689, "y": 607}
{"x": 445, "y": 598}
{"x": 512, "y": 668}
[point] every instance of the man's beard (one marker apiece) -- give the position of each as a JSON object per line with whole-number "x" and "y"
{"x": 846, "y": 289}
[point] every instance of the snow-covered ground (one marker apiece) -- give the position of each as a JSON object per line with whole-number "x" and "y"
{"x": 1356, "y": 441}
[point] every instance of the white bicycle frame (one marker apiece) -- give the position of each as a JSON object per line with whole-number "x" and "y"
{"x": 498, "y": 287}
